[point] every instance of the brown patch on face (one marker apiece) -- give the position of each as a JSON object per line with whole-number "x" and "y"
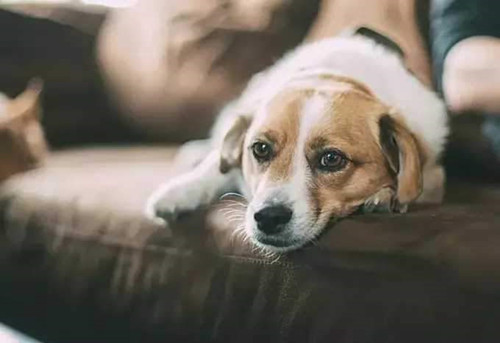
{"x": 350, "y": 125}
{"x": 281, "y": 130}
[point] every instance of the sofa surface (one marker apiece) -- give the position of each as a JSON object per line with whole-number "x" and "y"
{"x": 79, "y": 263}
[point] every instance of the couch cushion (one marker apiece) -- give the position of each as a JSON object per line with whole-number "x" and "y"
{"x": 73, "y": 241}
{"x": 94, "y": 191}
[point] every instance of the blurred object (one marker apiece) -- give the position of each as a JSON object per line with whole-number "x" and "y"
{"x": 76, "y": 106}
{"x": 400, "y": 20}
{"x": 466, "y": 50}
{"x": 472, "y": 152}
{"x": 92, "y": 5}
{"x": 85, "y": 18}
{"x": 22, "y": 142}
{"x": 172, "y": 64}
{"x": 471, "y": 75}
{"x": 491, "y": 131}
{"x": 466, "y": 30}
{"x": 7, "y": 335}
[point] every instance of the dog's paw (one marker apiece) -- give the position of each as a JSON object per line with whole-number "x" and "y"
{"x": 168, "y": 202}
{"x": 384, "y": 201}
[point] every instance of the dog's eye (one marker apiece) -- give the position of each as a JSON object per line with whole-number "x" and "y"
{"x": 332, "y": 161}
{"x": 262, "y": 151}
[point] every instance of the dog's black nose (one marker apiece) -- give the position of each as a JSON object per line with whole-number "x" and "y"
{"x": 271, "y": 220}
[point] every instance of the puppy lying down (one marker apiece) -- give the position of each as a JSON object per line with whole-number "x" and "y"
{"x": 333, "y": 127}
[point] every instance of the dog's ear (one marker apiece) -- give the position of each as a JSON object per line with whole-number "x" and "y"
{"x": 27, "y": 104}
{"x": 403, "y": 157}
{"x": 232, "y": 145}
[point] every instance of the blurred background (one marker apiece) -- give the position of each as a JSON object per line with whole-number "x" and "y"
{"x": 121, "y": 71}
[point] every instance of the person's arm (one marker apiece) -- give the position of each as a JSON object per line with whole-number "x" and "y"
{"x": 471, "y": 77}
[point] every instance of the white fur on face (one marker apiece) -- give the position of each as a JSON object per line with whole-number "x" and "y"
{"x": 294, "y": 191}
{"x": 304, "y": 224}
{"x": 360, "y": 59}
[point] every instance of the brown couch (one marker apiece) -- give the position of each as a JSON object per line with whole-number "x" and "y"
{"x": 79, "y": 263}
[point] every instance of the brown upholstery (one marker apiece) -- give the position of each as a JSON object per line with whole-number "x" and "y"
{"x": 78, "y": 263}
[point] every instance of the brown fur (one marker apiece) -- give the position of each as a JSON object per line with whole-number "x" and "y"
{"x": 22, "y": 142}
{"x": 351, "y": 124}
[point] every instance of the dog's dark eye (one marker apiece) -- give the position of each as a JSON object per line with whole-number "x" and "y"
{"x": 332, "y": 161}
{"x": 262, "y": 151}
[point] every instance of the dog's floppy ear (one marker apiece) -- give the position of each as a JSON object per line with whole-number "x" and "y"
{"x": 232, "y": 145}
{"x": 403, "y": 157}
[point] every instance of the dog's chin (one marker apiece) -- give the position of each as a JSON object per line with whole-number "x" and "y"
{"x": 278, "y": 245}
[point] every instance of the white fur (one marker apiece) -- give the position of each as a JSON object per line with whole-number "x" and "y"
{"x": 186, "y": 192}
{"x": 358, "y": 58}
{"x": 361, "y": 59}
{"x": 295, "y": 190}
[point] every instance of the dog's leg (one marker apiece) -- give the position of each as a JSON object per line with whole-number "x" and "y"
{"x": 189, "y": 191}
{"x": 384, "y": 201}
{"x": 192, "y": 153}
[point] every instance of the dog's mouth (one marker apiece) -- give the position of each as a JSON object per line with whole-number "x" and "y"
{"x": 276, "y": 242}
{"x": 279, "y": 244}
{"x": 287, "y": 241}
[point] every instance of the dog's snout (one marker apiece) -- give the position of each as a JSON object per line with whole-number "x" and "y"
{"x": 272, "y": 219}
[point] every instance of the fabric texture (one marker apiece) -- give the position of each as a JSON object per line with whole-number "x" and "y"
{"x": 78, "y": 256}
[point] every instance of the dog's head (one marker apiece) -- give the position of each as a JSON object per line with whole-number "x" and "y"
{"x": 312, "y": 155}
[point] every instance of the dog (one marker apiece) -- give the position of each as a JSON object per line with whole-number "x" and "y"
{"x": 334, "y": 127}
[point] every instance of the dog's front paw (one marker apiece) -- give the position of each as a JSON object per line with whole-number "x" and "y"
{"x": 168, "y": 202}
{"x": 384, "y": 201}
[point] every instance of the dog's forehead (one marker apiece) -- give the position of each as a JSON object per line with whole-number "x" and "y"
{"x": 350, "y": 114}
{"x": 337, "y": 109}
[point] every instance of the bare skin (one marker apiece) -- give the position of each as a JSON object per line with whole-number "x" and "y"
{"x": 397, "y": 19}
{"x": 471, "y": 79}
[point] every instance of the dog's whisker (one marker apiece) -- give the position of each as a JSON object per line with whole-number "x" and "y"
{"x": 234, "y": 203}
{"x": 228, "y": 194}
{"x": 235, "y": 234}
{"x": 227, "y": 212}
{"x": 233, "y": 208}
{"x": 234, "y": 215}
{"x": 238, "y": 201}
{"x": 235, "y": 220}
{"x": 277, "y": 258}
